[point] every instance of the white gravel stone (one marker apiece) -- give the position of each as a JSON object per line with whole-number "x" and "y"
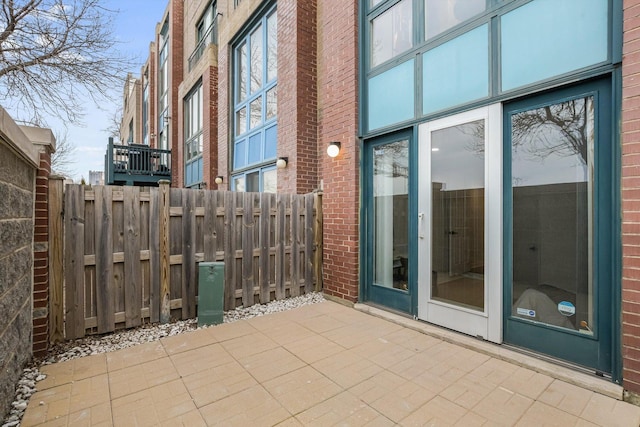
{"x": 27, "y": 385}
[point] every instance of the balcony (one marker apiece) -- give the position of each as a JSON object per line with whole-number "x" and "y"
{"x": 136, "y": 164}
{"x": 211, "y": 36}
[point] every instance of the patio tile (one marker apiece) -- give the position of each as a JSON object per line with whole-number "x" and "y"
{"x": 94, "y": 416}
{"x": 411, "y": 339}
{"x": 136, "y": 355}
{"x": 271, "y": 364}
{"x": 89, "y": 392}
{"x": 347, "y": 370}
{"x": 437, "y": 411}
{"x": 301, "y": 389}
{"x": 251, "y": 407}
{"x": 527, "y": 382}
{"x": 227, "y": 331}
{"x": 503, "y": 407}
{"x": 350, "y": 336}
{"x": 187, "y": 341}
{"x": 248, "y": 345}
{"x": 200, "y": 360}
{"x": 565, "y": 396}
{"x": 467, "y": 392}
{"x": 72, "y": 370}
{"x": 190, "y": 419}
{"x": 495, "y": 371}
{"x": 320, "y": 324}
{"x": 605, "y": 411}
{"x": 437, "y": 380}
{"x": 154, "y": 405}
{"x": 216, "y": 383}
{"x": 471, "y": 420}
{"x": 398, "y": 403}
{"x": 289, "y": 333}
{"x": 377, "y": 386}
{"x": 542, "y": 414}
{"x": 136, "y": 378}
{"x": 48, "y": 405}
{"x": 290, "y": 422}
{"x": 342, "y": 409}
{"x": 314, "y": 348}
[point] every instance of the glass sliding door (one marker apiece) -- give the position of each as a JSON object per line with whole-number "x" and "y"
{"x": 387, "y": 212}
{"x": 558, "y": 177}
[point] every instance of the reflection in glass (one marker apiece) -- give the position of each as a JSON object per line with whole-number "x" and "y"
{"x": 238, "y": 184}
{"x": 256, "y": 112}
{"x": 391, "y": 33}
{"x": 272, "y": 46}
{"x": 390, "y": 204}
{"x": 457, "y": 237}
{"x": 441, "y": 15}
{"x": 253, "y": 181}
{"x": 256, "y": 59}
{"x": 241, "y": 121}
{"x": 242, "y": 71}
{"x": 552, "y": 179}
{"x": 270, "y": 181}
{"x": 272, "y": 103}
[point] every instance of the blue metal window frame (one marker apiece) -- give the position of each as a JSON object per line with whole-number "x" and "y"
{"x": 265, "y": 124}
{"x": 195, "y": 162}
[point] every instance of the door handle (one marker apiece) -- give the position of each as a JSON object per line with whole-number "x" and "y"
{"x": 420, "y": 231}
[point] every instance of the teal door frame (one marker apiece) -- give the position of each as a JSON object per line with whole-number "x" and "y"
{"x": 598, "y": 352}
{"x": 395, "y": 299}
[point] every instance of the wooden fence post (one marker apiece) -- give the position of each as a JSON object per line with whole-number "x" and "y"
{"x": 318, "y": 242}
{"x": 163, "y": 207}
{"x": 74, "y": 261}
{"x": 56, "y": 260}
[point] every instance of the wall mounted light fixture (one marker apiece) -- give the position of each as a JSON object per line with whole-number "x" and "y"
{"x": 282, "y": 162}
{"x": 333, "y": 149}
{"x": 219, "y": 179}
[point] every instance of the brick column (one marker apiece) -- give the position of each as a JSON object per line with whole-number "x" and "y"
{"x": 41, "y": 257}
{"x": 338, "y": 121}
{"x": 630, "y": 129}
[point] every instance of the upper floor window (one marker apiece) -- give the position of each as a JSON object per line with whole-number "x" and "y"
{"x": 206, "y": 33}
{"x": 439, "y": 16}
{"x": 255, "y": 104}
{"x": 163, "y": 86}
{"x": 145, "y": 107}
{"x": 193, "y": 136}
{"x": 392, "y": 32}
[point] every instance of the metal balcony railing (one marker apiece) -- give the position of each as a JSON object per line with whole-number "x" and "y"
{"x": 211, "y": 36}
{"x": 136, "y": 164}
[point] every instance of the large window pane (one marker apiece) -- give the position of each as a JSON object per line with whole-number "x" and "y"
{"x": 270, "y": 181}
{"x": 441, "y": 15}
{"x": 272, "y": 103}
{"x": 546, "y": 38}
{"x": 552, "y": 188}
{"x": 272, "y": 47}
{"x": 256, "y": 59}
{"x": 256, "y": 112}
{"x": 457, "y": 182}
{"x": 391, "y": 96}
{"x": 457, "y": 71}
{"x": 391, "y": 209}
{"x": 392, "y": 33}
{"x": 241, "y": 121}
{"x": 242, "y": 72}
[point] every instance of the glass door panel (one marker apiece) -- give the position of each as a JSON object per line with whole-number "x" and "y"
{"x": 552, "y": 189}
{"x": 457, "y": 215}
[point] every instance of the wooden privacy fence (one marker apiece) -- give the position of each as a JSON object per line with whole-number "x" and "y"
{"x": 131, "y": 253}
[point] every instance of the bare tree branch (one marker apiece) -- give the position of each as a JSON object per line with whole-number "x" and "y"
{"x": 53, "y": 51}
{"x": 62, "y": 159}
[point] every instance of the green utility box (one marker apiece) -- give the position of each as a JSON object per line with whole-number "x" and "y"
{"x": 210, "y": 293}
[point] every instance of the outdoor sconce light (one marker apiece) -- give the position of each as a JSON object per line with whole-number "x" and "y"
{"x": 282, "y": 162}
{"x": 333, "y": 149}
{"x": 219, "y": 179}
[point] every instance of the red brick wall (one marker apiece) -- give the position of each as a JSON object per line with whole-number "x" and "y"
{"x": 41, "y": 258}
{"x": 630, "y": 196}
{"x": 176, "y": 55}
{"x": 297, "y": 95}
{"x": 210, "y": 127}
{"x": 338, "y": 121}
{"x": 223, "y": 116}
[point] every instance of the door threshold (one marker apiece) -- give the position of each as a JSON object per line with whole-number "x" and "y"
{"x": 560, "y": 370}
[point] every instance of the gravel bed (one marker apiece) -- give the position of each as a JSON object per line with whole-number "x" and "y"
{"x": 96, "y": 344}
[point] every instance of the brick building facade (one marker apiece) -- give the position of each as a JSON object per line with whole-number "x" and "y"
{"x": 269, "y": 80}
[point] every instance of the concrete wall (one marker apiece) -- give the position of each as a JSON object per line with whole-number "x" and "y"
{"x": 19, "y": 160}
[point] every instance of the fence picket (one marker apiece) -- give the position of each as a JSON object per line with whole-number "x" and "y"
{"x": 105, "y": 309}
{"x": 188, "y": 254}
{"x": 248, "y": 227}
{"x": 264, "y": 224}
{"x": 74, "y": 262}
{"x": 154, "y": 255}
{"x": 132, "y": 265}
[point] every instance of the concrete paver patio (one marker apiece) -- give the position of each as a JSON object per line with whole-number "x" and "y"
{"x": 323, "y": 364}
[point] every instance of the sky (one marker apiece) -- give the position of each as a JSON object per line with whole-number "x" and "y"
{"x": 134, "y": 28}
